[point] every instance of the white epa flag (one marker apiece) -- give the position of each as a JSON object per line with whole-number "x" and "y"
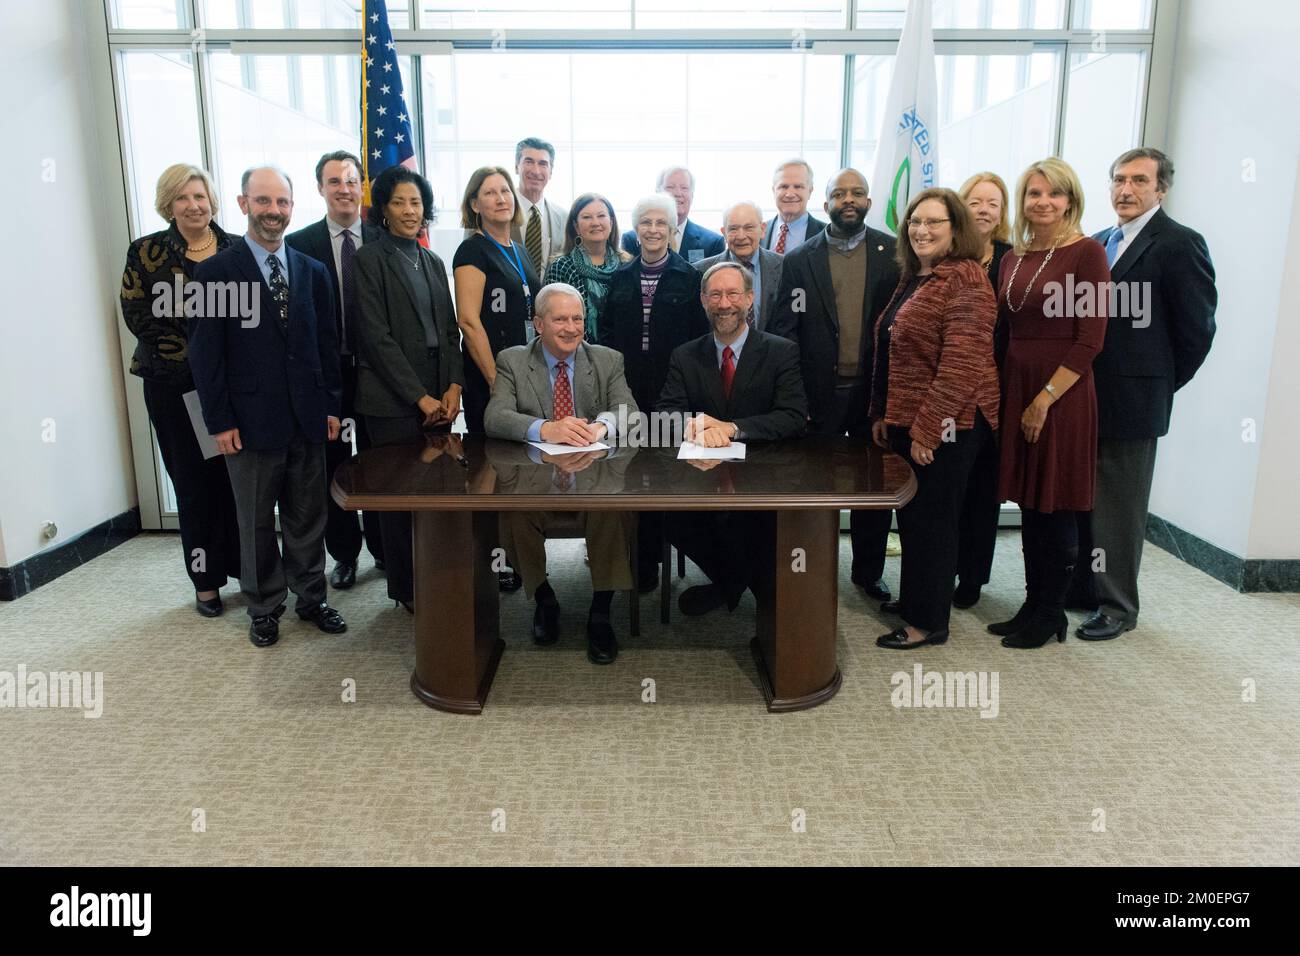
{"x": 907, "y": 160}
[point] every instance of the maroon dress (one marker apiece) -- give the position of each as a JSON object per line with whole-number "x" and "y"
{"x": 1058, "y": 472}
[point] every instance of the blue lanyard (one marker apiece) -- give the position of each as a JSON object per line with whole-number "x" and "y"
{"x": 519, "y": 267}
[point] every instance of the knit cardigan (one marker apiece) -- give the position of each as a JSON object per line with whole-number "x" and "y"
{"x": 941, "y": 364}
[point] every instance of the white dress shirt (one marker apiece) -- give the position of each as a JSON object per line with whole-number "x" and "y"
{"x": 1131, "y": 229}
{"x": 543, "y": 214}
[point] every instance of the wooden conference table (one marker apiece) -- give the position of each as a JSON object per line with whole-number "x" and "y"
{"x": 456, "y": 485}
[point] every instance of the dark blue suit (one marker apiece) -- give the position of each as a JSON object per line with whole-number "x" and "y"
{"x": 270, "y": 382}
{"x": 694, "y": 239}
{"x": 276, "y": 383}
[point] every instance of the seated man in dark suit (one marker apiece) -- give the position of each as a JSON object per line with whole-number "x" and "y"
{"x": 560, "y": 390}
{"x": 269, "y": 388}
{"x": 744, "y": 385}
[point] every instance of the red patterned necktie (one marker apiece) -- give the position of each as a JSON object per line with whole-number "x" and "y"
{"x": 563, "y": 393}
{"x": 780, "y": 241}
{"x": 728, "y": 370}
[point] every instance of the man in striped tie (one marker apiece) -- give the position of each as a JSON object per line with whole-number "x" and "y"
{"x": 561, "y": 391}
{"x": 543, "y": 229}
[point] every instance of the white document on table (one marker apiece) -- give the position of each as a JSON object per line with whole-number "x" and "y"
{"x": 207, "y": 444}
{"x": 550, "y": 448}
{"x": 733, "y": 452}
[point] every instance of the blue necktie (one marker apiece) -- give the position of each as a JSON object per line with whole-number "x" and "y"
{"x": 1112, "y": 245}
{"x": 279, "y": 289}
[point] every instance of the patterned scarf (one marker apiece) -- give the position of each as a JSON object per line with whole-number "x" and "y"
{"x": 597, "y": 281}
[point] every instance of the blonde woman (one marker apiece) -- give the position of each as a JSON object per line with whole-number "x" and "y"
{"x": 985, "y": 195}
{"x": 1052, "y": 295}
{"x": 205, "y": 504}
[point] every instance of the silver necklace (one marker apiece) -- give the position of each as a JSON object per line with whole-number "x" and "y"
{"x": 415, "y": 263}
{"x": 1025, "y": 298}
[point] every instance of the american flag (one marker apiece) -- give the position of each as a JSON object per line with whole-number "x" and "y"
{"x": 386, "y": 138}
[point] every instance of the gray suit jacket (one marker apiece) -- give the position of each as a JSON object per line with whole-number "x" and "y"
{"x": 769, "y": 266}
{"x": 522, "y": 391}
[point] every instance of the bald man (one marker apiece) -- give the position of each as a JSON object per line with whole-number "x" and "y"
{"x": 270, "y": 391}
{"x": 743, "y": 230}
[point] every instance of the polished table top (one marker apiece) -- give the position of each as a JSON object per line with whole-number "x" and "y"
{"x": 446, "y": 472}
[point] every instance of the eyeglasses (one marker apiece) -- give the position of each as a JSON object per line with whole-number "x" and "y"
{"x": 927, "y": 223}
{"x": 732, "y": 296}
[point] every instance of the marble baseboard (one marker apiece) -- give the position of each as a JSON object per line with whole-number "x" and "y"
{"x": 1243, "y": 574}
{"x": 45, "y": 566}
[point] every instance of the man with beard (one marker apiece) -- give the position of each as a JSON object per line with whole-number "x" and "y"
{"x": 743, "y": 385}
{"x": 833, "y": 287}
{"x": 270, "y": 391}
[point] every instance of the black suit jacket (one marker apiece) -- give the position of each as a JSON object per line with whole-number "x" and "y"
{"x": 314, "y": 241}
{"x": 767, "y": 400}
{"x": 695, "y": 239}
{"x": 268, "y": 381}
{"x": 1144, "y": 361}
{"x": 806, "y": 314}
{"x": 815, "y": 226}
{"x": 394, "y": 370}
{"x": 677, "y": 316}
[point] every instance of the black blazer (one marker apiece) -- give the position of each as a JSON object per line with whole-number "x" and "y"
{"x": 677, "y": 316}
{"x": 805, "y": 313}
{"x": 767, "y": 401}
{"x": 1140, "y": 366}
{"x": 268, "y": 381}
{"x": 314, "y": 241}
{"x": 815, "y": 226}
{"x": 695, "y": 239}
{"x": 394, "y": 370}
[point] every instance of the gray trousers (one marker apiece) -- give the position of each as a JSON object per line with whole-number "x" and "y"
{"x": 294, "y": 478}
{"x": 1119, "y": 521}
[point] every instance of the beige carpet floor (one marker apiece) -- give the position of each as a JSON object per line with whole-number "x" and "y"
{"x": 1148, "y": 735}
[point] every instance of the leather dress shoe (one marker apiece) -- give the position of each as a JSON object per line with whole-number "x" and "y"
{"x": 344, "y": 575}
{"x": 703, "y": 598}
{"x": 379, "y": 565}
{"x": 877, "y": 589}
{"x": 509, "y": 581}
{"x": 892, "y": 607}
{"x": 265, "y": 628}
{"x": 899, "y": 640}
{"x": 1102, "y": 627}
{"x": 324, "y": 617}
{"x": 647, "y": 578}
{"x": 209, "y": 608}
{"x": 546, "y": 623}
{"x": 602, "y": 648}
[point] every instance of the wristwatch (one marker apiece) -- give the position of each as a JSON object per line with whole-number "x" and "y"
{"x": 1050, "y": 389}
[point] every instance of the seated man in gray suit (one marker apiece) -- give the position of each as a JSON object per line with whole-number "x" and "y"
{"x": 743, "y": 229}
{"x": 742, "y": 385}
{"x": 560, "y": 390}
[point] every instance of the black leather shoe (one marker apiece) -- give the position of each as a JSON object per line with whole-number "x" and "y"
{"x": 1102, "y": 627}
{"x": 704, "y": 598}
{"x": 898, "y": 639}
{"x": 325, "y": 617}
{"x": 602, "y": 648}
{"x": 647, "y": 578}
{"x": 211, "y": 608}
{"x": 408, "y": 606}
{"x": 966, "y": 596}
{"x": 546, "y": 623}
{"x": 344, "y": 575}
{"x": 892, "y": 607}
{"x": 509, "y": 581}
{"x": 379, "y": 565}
{"x": 877, "y": 589}
{"x": 265, "y": 630}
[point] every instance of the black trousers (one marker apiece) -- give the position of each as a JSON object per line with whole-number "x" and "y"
{"x": 395, "y": 526}
{"x": 926, "y": 524}
{"x": 977, "y": 526}
{"x": 868, "y": 530}
{"x": 206, "y": 505}
{"x": 474, "y": 396}
{"x": 343, "y": 532}
{"x": 1050, "y": 540}
{"x": 728, "y": 546}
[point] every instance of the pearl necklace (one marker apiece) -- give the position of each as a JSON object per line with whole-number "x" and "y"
{"x": 212, "y": 237}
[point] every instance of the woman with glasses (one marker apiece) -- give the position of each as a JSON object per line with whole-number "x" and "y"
{"x": 591, "y": 255}
{"x": 934, "y": 397}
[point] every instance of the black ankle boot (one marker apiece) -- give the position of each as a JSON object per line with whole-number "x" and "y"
{"x": 1047, "y": 619}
